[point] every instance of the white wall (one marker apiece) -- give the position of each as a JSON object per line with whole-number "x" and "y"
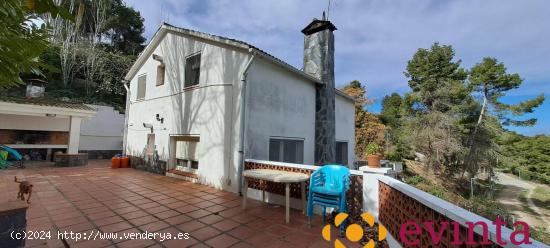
{"x": 278, "y": 104}
{"x": 345, "y": 125}
{"x": 208, "y": 110}
{"x": 104, "y": 131}
{"x": 27, "y": 122}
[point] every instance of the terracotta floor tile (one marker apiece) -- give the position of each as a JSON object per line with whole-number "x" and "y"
{"x": 155, "y": 210}
{"x": 243, "y": 218}
{"x": 154, "y": 226}
{"x": 198, "y": 213}
{"x": 133, "y": 243}
{"x": 125, "y": 210}
{"x": 216, "y": 208}
{"x": 222, "y": 241}
{"x": 101, "y": 215}
{"x": 261, "y": 239}
{"x": 143, "y": 220}
{"x": 187, "y": 209}
{"x": 301, "y": 239}
{"x": 190, "y": 226}
{"x": 242, "y": 245}
{"x": 167, "y": 214}
{"x": 242, "y": 232}
{"x": 226, "y": 225}
{"x": 204, "y": 204}
{"x": 119, "y": 226}
{"x": 210, "y": 219}
{"x": 204, "y": 233}
{"x": 134, "y": 214}
{"x": 92, "y": 243}
{"x": 71, "y": 221}
{"x": 177, "y": 243}
{"x": 181, "y": 218}
{"x": 107, "y": 221}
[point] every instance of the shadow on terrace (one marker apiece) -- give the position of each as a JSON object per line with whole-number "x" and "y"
{"x": 97, "y": 198}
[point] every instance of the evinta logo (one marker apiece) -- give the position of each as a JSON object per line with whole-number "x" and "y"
{"x": 410, "y": 229}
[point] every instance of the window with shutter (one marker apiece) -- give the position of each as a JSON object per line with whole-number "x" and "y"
{"x": 160, "y": 74}
{"x": 142, "y": 83}
{"x": 192, "y": 70}
{"x": 286, "y": 150}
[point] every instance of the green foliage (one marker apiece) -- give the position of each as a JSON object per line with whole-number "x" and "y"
{"x": 528, "y": 156}
{"x": 490, "y": 79}
{"x": 368, "y": 128}
{"x": 125, "y": 28}
{"x": 373, "y": 148}
{"x": 436, "y": 79}
{"x": 21, "y": 39}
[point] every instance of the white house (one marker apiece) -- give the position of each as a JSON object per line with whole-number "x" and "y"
{"x": 202, "y": 104}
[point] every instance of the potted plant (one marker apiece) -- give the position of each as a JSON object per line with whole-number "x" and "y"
{"x": 374, "y": 155}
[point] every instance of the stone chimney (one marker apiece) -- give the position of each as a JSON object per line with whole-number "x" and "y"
{"x": 319, "y": 63}
{"x": 35, "y": 88}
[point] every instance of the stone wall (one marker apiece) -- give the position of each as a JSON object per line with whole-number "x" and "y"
{"x": 148, "y": 163}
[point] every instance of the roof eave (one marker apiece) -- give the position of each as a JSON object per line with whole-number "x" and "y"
{"x": 41, "y": 110}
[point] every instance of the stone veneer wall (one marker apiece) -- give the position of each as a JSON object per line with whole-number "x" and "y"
{"x": 319, "y": 63}
{"x": 148, "y": 163}
{"x": 354, "y": 194}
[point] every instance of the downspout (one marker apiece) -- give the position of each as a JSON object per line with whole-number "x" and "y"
{"x": 124, "y": 141}
{"x": 243, "y": 121}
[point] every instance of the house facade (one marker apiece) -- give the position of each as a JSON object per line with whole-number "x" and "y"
{"x": 201, "y": 104}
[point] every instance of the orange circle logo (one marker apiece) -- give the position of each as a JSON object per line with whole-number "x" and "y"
{"x": 354, "y": 232}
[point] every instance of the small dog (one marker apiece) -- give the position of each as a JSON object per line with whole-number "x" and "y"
{"x": 25, "y": 187}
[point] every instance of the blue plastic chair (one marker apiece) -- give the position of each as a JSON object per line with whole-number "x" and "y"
{"x": 327, "y": 188}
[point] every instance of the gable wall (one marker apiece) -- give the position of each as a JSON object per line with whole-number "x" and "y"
{"x": 208, "y": 110}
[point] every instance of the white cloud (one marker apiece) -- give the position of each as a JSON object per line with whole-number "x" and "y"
{"x": 376, "y": 38}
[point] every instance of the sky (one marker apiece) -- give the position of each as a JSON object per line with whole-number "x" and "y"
{"x": 376, "y": 38}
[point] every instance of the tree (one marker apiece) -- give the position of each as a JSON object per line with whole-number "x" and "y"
{"x": 368, "y": 128}
{"x": 438, "y": 120}
{"x": 65, "y": 35}
{"x": 22, "y": 40}
{"x": 436, "y": 80}
{"x": 125, "y": 28}
{"x": 490, "y": 79}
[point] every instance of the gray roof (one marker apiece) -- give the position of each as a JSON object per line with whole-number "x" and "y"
{"x": 221, "y": 39}
{"x": 48, "y": 103}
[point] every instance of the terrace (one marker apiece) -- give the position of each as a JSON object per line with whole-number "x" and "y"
{"x": 97, "y": 198}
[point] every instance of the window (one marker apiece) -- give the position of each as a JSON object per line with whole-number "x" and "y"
{"x": 141, "y": 86}
{"x": 160, "y": 74}
{"x": 187, "y": 153}
{"x": 342, "y": 153}
{"x": 286, "y": 150}
{"x": 192, "y": 70}
{"x": 150, "y": 149}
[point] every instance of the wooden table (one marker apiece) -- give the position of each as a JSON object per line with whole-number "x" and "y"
{"x": 278, "y": 176}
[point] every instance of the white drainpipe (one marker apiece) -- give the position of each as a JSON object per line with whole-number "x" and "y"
{"x": 243, "y": 121}
{"x": 124, "y": 141}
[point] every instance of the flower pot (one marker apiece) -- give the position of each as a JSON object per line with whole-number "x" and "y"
{"x": 373, "y": 160}
{"x": 115, "y": 162}
{"x": 124, "y": 162}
